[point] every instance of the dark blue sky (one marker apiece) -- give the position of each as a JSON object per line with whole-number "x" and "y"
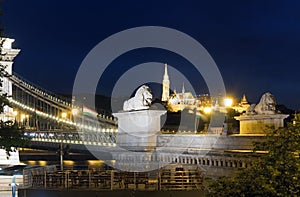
{"x": 256, "y": 44}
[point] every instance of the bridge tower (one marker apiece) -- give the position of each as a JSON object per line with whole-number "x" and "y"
{"x": 6, "y": 61}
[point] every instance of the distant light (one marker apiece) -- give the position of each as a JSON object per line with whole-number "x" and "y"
{"x": 207, "y": 110}
{"x": 74, "y": 111}
{"x": 95, "y": 162}
{"x": 23, "y": 116}
{"x": 68, "y": 162}
{"x": 64, "y": 115}
{"x": 31, "y": 162}
{"x": 228, "y": 102}
{"x": 42, "y": 163}
{"x": 15, "y": 113}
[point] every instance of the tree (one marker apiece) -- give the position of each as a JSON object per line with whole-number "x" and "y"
{"x": 11, "y": 136}
{"x": 275, "y": 173}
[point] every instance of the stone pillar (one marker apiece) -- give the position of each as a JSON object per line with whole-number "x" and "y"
{"x": 260, "y": 123}
{"x": 137, "y": 130}
{"x": 7, "y": 56}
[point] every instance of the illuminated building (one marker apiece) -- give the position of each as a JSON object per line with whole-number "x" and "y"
{"x": 242, "y": 106}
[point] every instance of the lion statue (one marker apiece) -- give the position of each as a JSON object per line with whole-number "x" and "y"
{"x": 141, "y": 100}
{"x": 266, "y": 105}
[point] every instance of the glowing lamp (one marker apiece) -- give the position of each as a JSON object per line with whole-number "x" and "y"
{"x": 228, "y": 102}
{"x": 15, "y": 113}
{"x": 207, "y": 110}
{"x": 74, "y": 111}
{"x": 64, "y": 115}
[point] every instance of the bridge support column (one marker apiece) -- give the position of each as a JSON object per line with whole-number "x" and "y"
{"x": 6, "y": 61}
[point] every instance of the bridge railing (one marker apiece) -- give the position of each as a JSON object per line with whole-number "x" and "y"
{"x": 85, "y": 122}
{"x": 56, "y": 101}
{"x": 105, "y": 137}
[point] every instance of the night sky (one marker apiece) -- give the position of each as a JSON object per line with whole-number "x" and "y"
{"x": 256, "y": 44}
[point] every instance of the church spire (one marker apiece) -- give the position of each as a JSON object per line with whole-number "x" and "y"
{"x": 183, "y": 89}
{"x": 244, "y": 100}
{"x": 166, "y": 85}
{"x": 166, "y": 72}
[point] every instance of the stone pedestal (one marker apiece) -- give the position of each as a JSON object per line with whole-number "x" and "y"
{"x": 14, "y": 158}
{"x": 137, "y": 130}
{"x": 260, "y": 123}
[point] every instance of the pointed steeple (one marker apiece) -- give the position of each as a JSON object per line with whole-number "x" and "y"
{"x": 166, "y": 72}
{"x": 183, "y": 89}
{"x": 166, "y": 85}
{"x": 244, "y": 100}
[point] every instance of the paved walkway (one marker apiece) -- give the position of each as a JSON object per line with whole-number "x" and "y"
{"x": 6, "y": 194}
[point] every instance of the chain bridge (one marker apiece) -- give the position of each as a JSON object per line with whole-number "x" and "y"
{"x": 49, "y": 120}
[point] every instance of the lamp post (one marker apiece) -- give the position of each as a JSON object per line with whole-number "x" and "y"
{"x": 63, "y": 116}
{"x": 15, "y": 113}
{"x": 207, "y": 111}
{"x": 296, "y": 119}
{"x": 27, "y": 121}
{"x": 74, "y": 113}
{"x": 23, "y": 119}
{"x": 227, "y": 104}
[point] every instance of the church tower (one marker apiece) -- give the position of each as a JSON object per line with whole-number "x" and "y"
{"x": 166, "y": 85}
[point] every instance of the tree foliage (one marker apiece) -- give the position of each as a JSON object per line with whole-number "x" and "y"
{"x": 11, "y": 136}
{"x": 275, "y": 173}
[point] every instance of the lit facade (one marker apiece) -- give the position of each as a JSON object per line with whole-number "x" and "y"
{"x": 179, "y": 101}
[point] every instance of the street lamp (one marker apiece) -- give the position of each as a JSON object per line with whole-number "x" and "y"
{"x": 15, "y": 113}
{"x": 74, "y": 111}
{"x": 63, "y": 116}
{"x": 207, "y": 110}
{"x": 227, "y": 103}
{"x": 22, "y": 119}
{"x": 27, "y": 121}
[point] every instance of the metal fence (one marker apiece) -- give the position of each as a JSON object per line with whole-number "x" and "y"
{"x": 30, "y": 175}
{"x": 176, "y": 178}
